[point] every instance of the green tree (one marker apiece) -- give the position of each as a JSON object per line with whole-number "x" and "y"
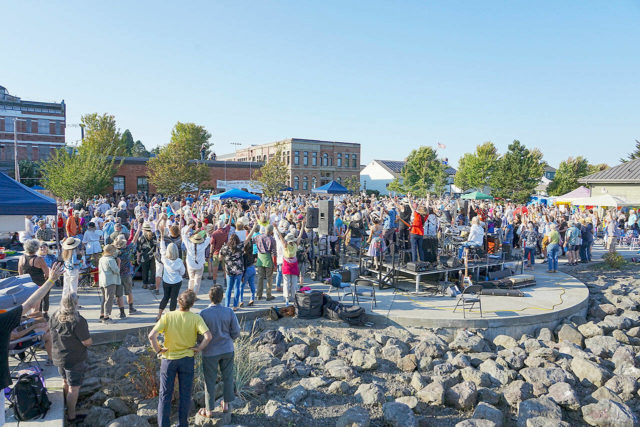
{"x": 423, "y": 173}
{"x": 476, "y": 169}
{"x": 139, "y": 150}
{"x": 274, "y": 175}
{"x": 634, "y": 155}
{"x": 352, "y": 183}
{"x": 567, "y": 175}
{"x": 175, "y": 168}
{"x": 127, "y": 142}
{"x": 30, "y": 173}
{"x": 101, "y": 135}
{"x": 517, "y": 173}
{"x": 78, "y": 173}
{"x": 597, "y": 168}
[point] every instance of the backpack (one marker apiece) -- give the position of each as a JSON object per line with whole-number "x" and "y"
{"x": 353, "y": 314}
{"x": 29, "y": 397}
{"x": 309, "y": 305}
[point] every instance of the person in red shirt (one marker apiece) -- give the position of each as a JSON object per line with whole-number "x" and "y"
{"x": 218, "y": 238}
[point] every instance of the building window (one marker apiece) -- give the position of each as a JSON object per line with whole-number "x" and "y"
{"x": 313, "y": 182}
{"x": 44, "y": 153}
{"x": 355, "y": 161}
{"x": 325, "y": 159}
{"x": 8, "y": 124}
{"x": 58, "y": 128}
{"x": 339, "y": 180}
{"x": 43, "y": 126}
{"x": 143, "y": 184}
{"x": 305, "y": 158}
{"x": 296, "y": 183}
{"x": 118, "y": 184}
{"x": 339, "y": 160}
{"x": 305, "y": 183}
{"x": 314, "y": 159}
{"x": 296, "y": 158}
{"x": 29, "y": 127}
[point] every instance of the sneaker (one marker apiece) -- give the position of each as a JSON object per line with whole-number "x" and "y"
{"x": 101, "y": 317}
{"x": 270, "y": 298}
{"x": 132, "y": 310}
{"x": 157, "y": 292}
{"x": 107, "y": 321}
{"x": 123, "y": 316}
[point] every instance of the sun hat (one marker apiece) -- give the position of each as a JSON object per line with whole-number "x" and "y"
{"x": 290, "y": 238}
{"x": 209, "y": 228}
{"x": 121, "y": 241}
{"x": 70, "y": 243}
{"x": 110, "y": 250}
{"x": 146, "y": 227}
{"x": 196, "y": 238}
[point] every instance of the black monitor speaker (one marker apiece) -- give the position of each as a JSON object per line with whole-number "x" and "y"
{"x": 312, "y": 217}
{"x": 325, "y": 219}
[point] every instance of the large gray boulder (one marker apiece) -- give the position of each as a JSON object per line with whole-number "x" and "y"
{"x": 432, "y": 394}
{"x": 467, "y": 342}
{"x": 339, "y": 369}
{"x": 603, "y": 346}
{"x": 516, "y": 392}
{"x": 131, "y": 420}
{"x": 588, "y": 371}
{"x": 280, "y": 413}
{"x": 539, "y": 407}
{"x": 355, "y": 416}
{"x": 498, "y": 373}
{"x": 370, "y": 394}
{"x": 569, "y": 333}
{"x": 398, "y": 414}
{"x": 118, "y": 406}
{"x": 296, "y": 394}
{"x": 489, "y": 412}
{"x": 462, "y": 396}
{"x": 99, "y": 417}
{"x": 607, "y": 413}
{"x": 313, "y": 383}
{"x": 564, "y": 395}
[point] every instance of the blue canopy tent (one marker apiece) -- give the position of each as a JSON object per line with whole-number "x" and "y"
{"x": 18, "y": 199}
{"x": 331, "y": 188}
{"x": 234, "y": 193}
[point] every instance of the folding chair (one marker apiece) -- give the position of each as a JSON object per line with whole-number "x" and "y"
{"x": 468, "y": 298}
{"x": 25, "y": 355}
{"x": 342, "y": 287}
{"x": 369, "y": 291}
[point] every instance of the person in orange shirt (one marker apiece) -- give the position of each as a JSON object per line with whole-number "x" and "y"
{"x": 73, "y": 225}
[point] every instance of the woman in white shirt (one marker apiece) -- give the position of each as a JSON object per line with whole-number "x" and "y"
{"x": 91, "y": 242}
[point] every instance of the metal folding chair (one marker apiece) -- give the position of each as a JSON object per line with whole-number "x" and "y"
{"x": 26, "y": 355}
{"x": 367, "y": 291}
{"x": 468, "y": 298}
{"x": 337, "y": 284}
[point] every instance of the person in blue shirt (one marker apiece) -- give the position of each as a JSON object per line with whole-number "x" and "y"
{"x": 389, "y": 225}
{"x": 507, "y": 233}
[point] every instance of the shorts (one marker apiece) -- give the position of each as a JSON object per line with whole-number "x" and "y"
{"x": 159, "y": 268}
{"x": 575, "y": 248}
{"x": 73, "y": 376}
{"x": 127, "y": 283}
{"x": 119, "y": 291}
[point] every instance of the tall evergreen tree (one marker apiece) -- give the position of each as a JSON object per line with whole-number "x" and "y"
{"x": 517, "y": 173}
{"x": 422, "y": 174}
{"x": 475, "y": 170}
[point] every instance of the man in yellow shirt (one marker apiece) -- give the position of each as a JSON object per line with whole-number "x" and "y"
{"x": 180, "y": 329}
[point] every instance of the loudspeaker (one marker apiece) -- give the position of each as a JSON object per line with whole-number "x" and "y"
{"x": 430, "y": 248}
{"x": 312, "y": 217}
{"x": 325, "y": 221}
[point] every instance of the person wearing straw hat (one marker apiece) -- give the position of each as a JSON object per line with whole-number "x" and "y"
{"x": 146, "y": 256}
{"x": 195, "y": 245}
{"x": 110, "y": 284}
{"x": 126, "y": 252}
{"x": 290, "y": 269}
{"x": 72, "y": 262}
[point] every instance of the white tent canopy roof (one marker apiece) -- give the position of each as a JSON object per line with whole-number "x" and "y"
{"x": 605, "y": 200}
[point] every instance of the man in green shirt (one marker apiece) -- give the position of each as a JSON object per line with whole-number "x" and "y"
{"x": 180, "y": 329}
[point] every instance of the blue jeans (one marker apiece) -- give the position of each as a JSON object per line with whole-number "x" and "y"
{"x": 250, "y": 278}
{"x": 233, "y": 283}
{"x": 279, "y": 277}
{"x": 464, "y": 246}
{"x": 552, "y": 255}
{"x": 416, "y": 247}
{"x": 356, "y": 243}
{"x": 531, "y": 254}
{"x": 168, "y": 371}
{"x": 583, "y": 252}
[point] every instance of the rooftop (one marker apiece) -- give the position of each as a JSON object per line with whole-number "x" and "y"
{"x": 625, "y": 173}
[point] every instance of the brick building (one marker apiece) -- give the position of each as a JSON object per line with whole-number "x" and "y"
{"x": 132, "y": 175}
{"x": 312, "y": 163}
{"x": 39, "y": 127}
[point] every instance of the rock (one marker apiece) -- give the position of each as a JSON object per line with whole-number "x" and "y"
{"x": 484, "y": 411}
{"x": 281, "y": 413}
{"x": 545, "y": 334}
{"x": 118, "y": 406}
{"x": 148, "y": 409}
{"x": 571, "y": 334}
{"x": 410, "y": 401}
{"x": 504, "y": 341}
{"x": 216, "y": 419}
{"x": 481, "y": 379}
{"x": 517, "y": 392}
{"x": 370, "y": 394}
{"x": 381, "y": 338}
{"x": 431, "y": 346}
{"x": 467, "y": 342}
{"x": 339, "y": 369}
{"x": 607, "y": 413}
{"x": 363, "y": 361}
{"x": 257, "y": 386}
{"x": 313, "y": 383}
{"x": 339, "y": 387}
{"x": 418, "y": 382}
{"x": 541, "y": 378}
{"x": 590, "y": 330}
{"x": 355, "y": 416}
{"x": 98, "y": 398}
{"x": 539, "y": 407}
{"x": 398, "y": 414}
{"x": 90, "y": 386}
{"x": 498, "y": 373}
{"x": 301, "y": 351}
{"x": 488, "y": 396}
{"x": 623, "y": 356}
{"x": 514, "y": 357}
{"x": 325, "y": 352}
{"x": 99, "y": 417}
{"x": 634, "y": 332}
{"x": 588, "y": 371}
{"x": 275, "y": 374}
{"x": 476, "y": 423}
{"x": 392, "y": 352}
{"x": 133, "y": 420}
{"x": 433, "y": 393}
{"x": 462, "y": 396}
{"x": 546, "y": 422}
{"x": 122, "y": 357}
{"x": 564, "y": 395}
{"x": 408, "y": 363}
{"x": 263, "y": 359}
{"x": 620, "y": 336}
{"x": 623, "y": 385}
{"x": 612, "y": 322}
{"x": 603, "y": 393}
{"x": 296, "y": 394}
{"x": 602, "y": 345}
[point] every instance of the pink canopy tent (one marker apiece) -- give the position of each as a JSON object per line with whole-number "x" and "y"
{"x": 578, "y": 193}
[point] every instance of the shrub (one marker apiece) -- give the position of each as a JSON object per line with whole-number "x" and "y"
{"x": 614, "y": 260}
{"x": 145, "y": 375}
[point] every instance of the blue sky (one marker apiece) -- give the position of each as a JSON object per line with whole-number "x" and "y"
{"x": 563, "y": 76}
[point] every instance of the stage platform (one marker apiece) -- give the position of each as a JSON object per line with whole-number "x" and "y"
{"x": 556, "y": 296}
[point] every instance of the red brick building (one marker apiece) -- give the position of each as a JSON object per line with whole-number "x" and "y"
{"x": 38, "y": 126}
{"x": 132, "y": 175}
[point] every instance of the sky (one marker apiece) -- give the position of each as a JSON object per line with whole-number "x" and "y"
{"x": 562, "y": 76}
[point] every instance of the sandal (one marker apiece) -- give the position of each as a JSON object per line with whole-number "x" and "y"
{"x": 204, "y": 413}
{"x": 250, "y": 303}
{"x": 223, "y": 405}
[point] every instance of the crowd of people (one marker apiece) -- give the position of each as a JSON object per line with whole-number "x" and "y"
{"x": 266, "y": 246}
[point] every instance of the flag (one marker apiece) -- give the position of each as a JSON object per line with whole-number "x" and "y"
{"x": 441, "y": 145}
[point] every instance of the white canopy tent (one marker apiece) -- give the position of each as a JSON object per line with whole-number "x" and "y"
{"x": 605, "y": 200}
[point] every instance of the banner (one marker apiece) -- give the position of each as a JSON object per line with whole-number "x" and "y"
{"x": 250, "y": 186}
